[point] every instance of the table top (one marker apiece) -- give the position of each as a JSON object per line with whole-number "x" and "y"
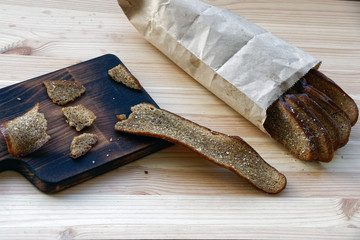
{"x": 175, "y": 193}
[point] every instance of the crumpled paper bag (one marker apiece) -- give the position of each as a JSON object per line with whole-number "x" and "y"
{"x": 241, "y": 63}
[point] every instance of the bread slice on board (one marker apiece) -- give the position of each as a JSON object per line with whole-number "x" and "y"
{"x": 27, "y": 133}
{"x": 321, "y": 137}
{"x": 324, "y": 84}
{"x": 284, "y": 124}
{"x": 227, "y": 151}
{"x": 82, "y": 144}
{"x": 122, "y": 75}
{"x": 62, "y": 92}
{"x": 79, "y": 116}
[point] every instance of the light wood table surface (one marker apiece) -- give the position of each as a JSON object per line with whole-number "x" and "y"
{"x": 174, "y": 193}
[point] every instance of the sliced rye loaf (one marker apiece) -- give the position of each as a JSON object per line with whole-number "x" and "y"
{"x": 284, "y": 124}
{"x": 27, "y": 133}
{"x": 318, "y": 132}
{"x": 324, "y": 84}
{"x": 337, "y": 114}
{"x": 227, "y": 151}
{"x": 327, "y": 121}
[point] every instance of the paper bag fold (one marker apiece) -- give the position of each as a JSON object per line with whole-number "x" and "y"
{"x": 241, "y": 63}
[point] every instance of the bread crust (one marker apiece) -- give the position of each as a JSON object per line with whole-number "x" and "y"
{"x": 204, "y": 135}
{"x": 17, "y": 148}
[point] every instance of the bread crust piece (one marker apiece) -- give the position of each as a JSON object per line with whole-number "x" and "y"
{"x": 82, "y": 144}
{"x": 79, "y": 116}
{"x": 284, "y": 124}
{"x": 26, "y": 133}
{"x": 230, "y": 152}
{"x": 121, "y": 74}
{"x": 319, "y": 133}
{"x": 62, "y": 92}
{"x": 324, "y": 84}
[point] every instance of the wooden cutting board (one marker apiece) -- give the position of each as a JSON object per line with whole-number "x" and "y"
{"x": 50, "y": 168}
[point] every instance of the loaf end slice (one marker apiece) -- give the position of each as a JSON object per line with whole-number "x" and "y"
{"x": 227, "y": 151}
{"x": 285, "y": 126}
{"x": 122, "y": 75}
{"x": 321, "y": 82}
{"x": 82, "y": 144}
{"x": 62, "y": 92}
{"x": 27, "y": 133}
{"x": 79, "y": 116}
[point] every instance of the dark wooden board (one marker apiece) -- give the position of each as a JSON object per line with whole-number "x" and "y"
{"x": 50, "y": 168}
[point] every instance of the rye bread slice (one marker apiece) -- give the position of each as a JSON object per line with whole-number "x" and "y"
{"x": 324, "y": 84}
{"x": 27, "y": 133}
{"x": 327, "y": 121}
{"x": 62, "y": 92}
{"x": 226, "y": 151}
{"x": 284, "y": 124}
{"x": 337, "y": 114}
{"x": 79, "y": 116}
{"x": 318, "y": 132}
{"x": 122, "y": 75}
{"x": 82, "y": 144}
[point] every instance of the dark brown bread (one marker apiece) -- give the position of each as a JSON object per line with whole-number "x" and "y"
{"x": 284, "y": 124}
{"x": 82, "y": 144}
{"x": 336, "y": 113}
{"x": 79, "y": 116}
{"x": 326, "y": 120}
{"x": 227, "y": 151}
{"x": 27, "y": 133}
{"x": 321, "y": 137}
{"x": 122, "y": 75}
{"x": 62, "y": 92}
{"x": 324, "y": 84}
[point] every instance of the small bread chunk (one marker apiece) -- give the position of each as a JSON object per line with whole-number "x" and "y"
{"x": 284, "y": 124}
{"x": 122, "y": 75}
{"x": 82, "y": 144}
{"x": 27, "y": 133}
{"x": 62, "y": 92}
{"x": 79, "y": 116}
{"x": 230, "y": 152}
{"x": 324, "y": 84}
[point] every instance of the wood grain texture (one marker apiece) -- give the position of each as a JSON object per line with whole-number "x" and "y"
{"x": 174, "y": 194}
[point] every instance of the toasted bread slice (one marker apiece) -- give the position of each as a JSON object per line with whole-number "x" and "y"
{"x": 324, "y": 84}
{"x": 284, "y": 124}
{"x": 122, "y": 75}
{"x": 62, "y": 92}
{"x": 227, "y": 151}
{"x": 82, "y": 144}
{"x": 27, "y": 133}
{"x": 318, "y": 132}
{"x": 79, "y": 116}
{"x": 327, "y": 121}
{"x": 337, "y": 114}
